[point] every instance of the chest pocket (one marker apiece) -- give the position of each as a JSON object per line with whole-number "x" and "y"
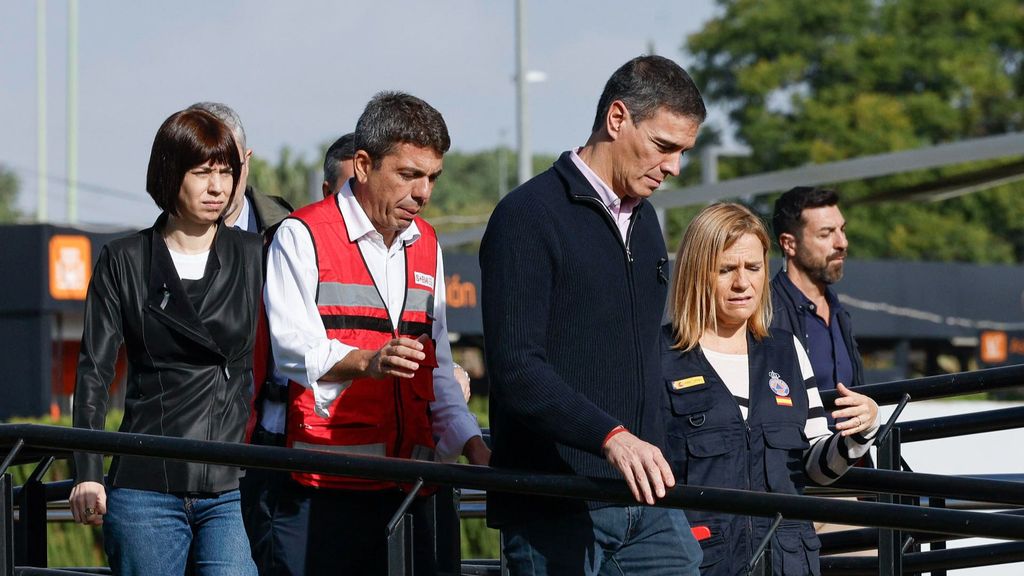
{"x": 689, "y": 401}
{"x": 784, "y": 449}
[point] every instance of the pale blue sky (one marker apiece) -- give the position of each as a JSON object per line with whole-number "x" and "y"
{"x": 299, "y": 74}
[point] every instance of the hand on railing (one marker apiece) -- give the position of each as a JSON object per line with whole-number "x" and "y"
{"x": 642, "y": 465}
{"x": 88, "y": 503}
{"x": 477, "y": 452}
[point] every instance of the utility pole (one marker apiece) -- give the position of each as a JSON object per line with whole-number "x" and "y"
{"x": 72, "y": 160}
{"x": 41, "y": 111}
{"x": 502, "y": 166}
{"x": 522, "y": 134}
{"x": 710, "y": 154}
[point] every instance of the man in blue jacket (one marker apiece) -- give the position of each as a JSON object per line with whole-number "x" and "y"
{"x": 573, "y": 289}
{"x": 811, "y": 232}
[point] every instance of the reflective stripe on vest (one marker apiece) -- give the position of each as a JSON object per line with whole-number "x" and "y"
{"x": 388, "y": 417}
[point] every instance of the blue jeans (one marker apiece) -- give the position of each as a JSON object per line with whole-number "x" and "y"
{"x": 148, "y": 533}
{"x": 633, "y": 540}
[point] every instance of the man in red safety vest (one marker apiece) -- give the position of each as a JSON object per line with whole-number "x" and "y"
{"x": 356, "y": 304}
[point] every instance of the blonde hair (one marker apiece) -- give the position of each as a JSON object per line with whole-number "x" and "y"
{"x": 691, "y": 300}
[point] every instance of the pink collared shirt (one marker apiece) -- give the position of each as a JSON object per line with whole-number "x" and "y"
{"x": 620, "y": 209}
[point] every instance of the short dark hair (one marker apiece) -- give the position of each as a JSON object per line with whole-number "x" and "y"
{"x": 789, "y": 208}
{"x": 647, "y": 83}
{"x": 185, "y": 140}
{"x": 344, "y": 148}
{"x": 393, "y": 118}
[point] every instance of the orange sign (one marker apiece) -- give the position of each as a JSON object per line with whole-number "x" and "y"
{"x": 70, "y": 267}
{"x": 458, "y": 293}
{"x": 993, "y": 347}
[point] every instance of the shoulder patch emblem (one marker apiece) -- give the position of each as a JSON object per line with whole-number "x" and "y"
{"x": 777, "y": 384}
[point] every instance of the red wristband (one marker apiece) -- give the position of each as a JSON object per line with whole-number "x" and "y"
{"x": 616, "y": 430}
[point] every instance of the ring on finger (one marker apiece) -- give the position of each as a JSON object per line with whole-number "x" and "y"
{"x": 90, "y": 512}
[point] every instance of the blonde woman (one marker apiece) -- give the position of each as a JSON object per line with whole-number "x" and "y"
{"x": 744, "y": 409}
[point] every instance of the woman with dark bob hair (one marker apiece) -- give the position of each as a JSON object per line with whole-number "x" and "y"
{"x": 182, "y": 297}
{"x": 744, "y": 409}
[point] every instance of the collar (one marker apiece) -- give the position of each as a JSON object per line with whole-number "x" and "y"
{"x": 242, "y": 222}
{"x": 358, "y": 223}
{"x": 577, "y": 185}
{"x": 604, "y": 192}
{"x": 167, "y": 298}
{"x": 803, "y": 302}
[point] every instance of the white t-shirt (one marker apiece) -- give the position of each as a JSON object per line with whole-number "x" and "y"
{"x": 189, "y": 266}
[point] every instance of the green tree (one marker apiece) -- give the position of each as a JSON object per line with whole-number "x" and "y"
{"x": 8, "y": 194}
{"x": 470, "y": 185}
{"x": 289, "y": 178}
{"x": 811, "y": 81}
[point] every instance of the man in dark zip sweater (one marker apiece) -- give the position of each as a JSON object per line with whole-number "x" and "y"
{"x": 574, "y": 280}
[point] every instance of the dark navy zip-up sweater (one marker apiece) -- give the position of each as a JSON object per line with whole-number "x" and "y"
{"x": 571, "y": 322}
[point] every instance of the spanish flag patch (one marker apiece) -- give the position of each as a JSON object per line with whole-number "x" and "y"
{"x": 783, "y": 400}
{"x": 688, "y": 382}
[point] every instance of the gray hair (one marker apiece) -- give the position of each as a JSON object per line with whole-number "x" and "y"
{"x": 393, "y": 118}
{"x": 227, "y": 115}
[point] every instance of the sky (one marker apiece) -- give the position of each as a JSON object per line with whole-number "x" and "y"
{"x": 299, "y": 73}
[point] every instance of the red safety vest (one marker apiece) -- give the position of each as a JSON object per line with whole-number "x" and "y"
{"x": 389, "y": 417}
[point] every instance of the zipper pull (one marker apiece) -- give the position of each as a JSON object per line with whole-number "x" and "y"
{"x": 227, "y": 373}
{"x": 629, "y": 254}
{"x": 167, "y": 296}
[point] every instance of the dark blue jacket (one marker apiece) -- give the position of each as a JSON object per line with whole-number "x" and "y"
{"x": 571, "y": 321}
{"x": 709, "y": 444}
{"x": 788, "y": 315}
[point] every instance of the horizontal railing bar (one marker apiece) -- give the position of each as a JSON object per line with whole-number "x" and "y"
{"x": 961, "y": 424}
{"x": 845, "y": 541}
{"x": 901, "y": 517}
{"x": 915, "y": 562}
{"x": 942, "y": 386}
{"x": 35, "y": 571}
{"x": 932, "y": 485}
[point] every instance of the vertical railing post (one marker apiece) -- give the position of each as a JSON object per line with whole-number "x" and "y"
{"x": 447, "y": 530}
{"x": 938, "y": 544}
{"x": 400, "y": 536}
{"x": 399, "y": 552}
{"x": 761, "y": 563}
{"x": 890, "y": 542}
{"x": 7, "y": 511}
{"x": 30, "y": 534}
{"x": 6, "y": 526}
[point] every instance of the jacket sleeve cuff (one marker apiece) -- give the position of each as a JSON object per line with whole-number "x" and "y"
{"x": 318, "y": 361}
{"x": 458, "y": 431}
{"x": 88, "y": 467}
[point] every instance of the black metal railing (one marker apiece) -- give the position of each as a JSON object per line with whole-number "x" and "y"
{"x": 898, "y": 519}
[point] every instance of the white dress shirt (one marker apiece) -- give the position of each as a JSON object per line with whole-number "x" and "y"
{"x": 242, "y": 221}
{"x": 620, "y": 209}
{"x": 304, "y": 353}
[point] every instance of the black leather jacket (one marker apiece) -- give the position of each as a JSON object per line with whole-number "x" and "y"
{"x": 189, "y": 371}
